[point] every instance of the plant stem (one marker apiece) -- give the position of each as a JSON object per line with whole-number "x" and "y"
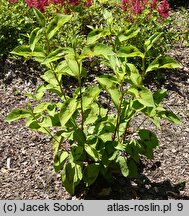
{"x": 59, "y": 83}
{"x": 140, "y": 124}
{"x": 81, "y": 98}
{"x": 143, "y": 66}
{"x": 118, "y": 114}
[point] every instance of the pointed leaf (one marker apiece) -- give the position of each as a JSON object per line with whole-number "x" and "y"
{"x": 58, "y": 21}
{"x": 49, "y": 77}
{"x": 92, "y": 152}
{"x": 150, "y": 42}
{"x": 134, "y": 75}
{"x": 102, "y": 50}
{"x": 59, "y": 160}
{"x": 143, "y": 95}
{"x": 126, "y": 35}
{"x": 64, "y": 69}
{"x": 96, "y": 34}
{"x": 25, "y": 51}
{"x": 54, "y": 56}
{"x": 107, "y": 82}
{"x": 71, "y": 176}
{"x": 130, "y": 51}
{"x": 170, "y": 116}
{"x": 89, "y": 96}
{"x": 17, "y": 114}
{"x": 56, "y": 141}
{"x": 123, "y": 166}
{"x": 67, "y": 110}
{"x": 35, "y": 37}
{"x": 40, "y": 17}
{"x": 76, "y": 153}
{"x": 149, "y": 141}
{"x": 159, "y": 95}
{"x": 41, "y": 107}
{"x": 163, "y": 62}
{"x": 73, "y": 66}
{"x": 90, "y": 174}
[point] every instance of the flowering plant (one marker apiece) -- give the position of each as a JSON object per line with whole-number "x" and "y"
{"x": 42, "y": 4}
{"x": 135, "y": 7}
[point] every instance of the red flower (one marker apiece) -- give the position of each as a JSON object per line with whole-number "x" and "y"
{"x": 164, "y": 9}
{"x": 153, "y": 4}
{"x": 137, "y": 8}
{"x": 124, "y": 4}
{"x": 58, "y": 2}
{"x": 74, "y": 2}
{"x": 39, "y": 4}
{"x": 88, "y": 3}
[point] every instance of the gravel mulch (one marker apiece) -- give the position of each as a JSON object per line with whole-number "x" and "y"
{"x": 26, "y": 170}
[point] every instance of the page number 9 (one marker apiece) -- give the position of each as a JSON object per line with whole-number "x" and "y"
{"x": 179, "y": 206}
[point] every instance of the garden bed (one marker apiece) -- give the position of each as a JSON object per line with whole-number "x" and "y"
{"x": 26, "y": 170}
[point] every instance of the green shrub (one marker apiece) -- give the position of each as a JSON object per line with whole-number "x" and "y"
{"x": 15, "y": 22}
{"x": 90, "y": 139}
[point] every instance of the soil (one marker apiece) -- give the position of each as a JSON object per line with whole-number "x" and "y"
{"x": 26, "y": 170}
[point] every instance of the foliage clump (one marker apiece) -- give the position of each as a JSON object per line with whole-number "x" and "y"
{"x": 100, "y": 138}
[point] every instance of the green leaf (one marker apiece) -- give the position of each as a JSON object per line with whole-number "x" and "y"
{"x": 129, "y": 51}
{"x": 163, "y": 62}
{"x": 76, "y": 153}
{"x": 92, "y": 114}
{"x": 35, "y": 37}
{"x": 169, "y": 116}
{"x": 133, "y": 170}
{"x": 150, "y": 42}
{"x": 59, "y": 160}
{"x": 92, "y": 152}
{"x": 90, "y": 174}
{"x": 98, "y": 49}
{"x": 159, "y": 95}
{"x": 67, "y": 110}
{"x": 102, "y": 50}
{"x": 54, "y": 56}
{"x": 71, "y": 176}
{"x": 107, "y": 82}
{"x": 128, "y": 34}
{"x": 133, "y": 148}
{"x": 25, "y": 51}
{"x": 41, "y": 107}
{"x": 64, "y": 69}
{"x": 46, "y": 122}
{"x": 89, "y": 96}
{"x": 40, "y": 17}
{"x": 17, "y": 114}
{"x": 56, "y": 141}
{"x": 146, "y": 98}
{"x": 40, "y": 91}
{"x": 73, "y": 66}
{"x": 143, "y": 95}
{"x": 49, "y": 77}
{"x": 149, "y": 141}
{"x": 110, "y": 150}
{"x": 123, "y": 165}
{"x": 57, "y": 22}
{"x": 96, "y": 34}
{"x": 133, "y": 74}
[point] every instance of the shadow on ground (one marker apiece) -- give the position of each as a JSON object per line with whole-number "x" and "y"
{"x": 141, "y": 188}
{"x": 168, "y": 79}
{"x": 26, "y": 70}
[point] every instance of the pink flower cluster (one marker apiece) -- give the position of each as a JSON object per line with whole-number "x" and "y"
{"x": 137, "y": 6}
{"x": 41, "y": 4}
